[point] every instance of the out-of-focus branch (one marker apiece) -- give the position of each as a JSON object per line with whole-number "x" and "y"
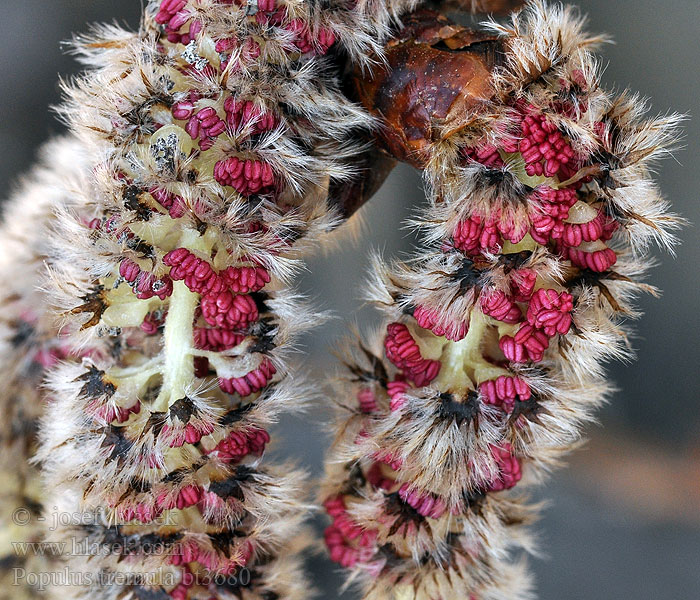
{"x": 641, "y": 477}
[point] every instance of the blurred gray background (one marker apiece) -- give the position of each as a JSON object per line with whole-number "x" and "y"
{"x": 624, "y": 517}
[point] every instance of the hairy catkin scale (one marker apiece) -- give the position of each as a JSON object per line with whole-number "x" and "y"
{"x": 28, "y": 345}
{"x": 542, "y": 208}
{"x": 201, "y": 155}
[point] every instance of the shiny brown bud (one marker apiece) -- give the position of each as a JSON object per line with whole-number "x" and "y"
{"x": 436, "y": 71}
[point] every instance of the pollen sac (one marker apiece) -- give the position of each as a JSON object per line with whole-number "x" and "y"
{"x": 509, "y": 470}
{"x": 246, "y": 114}
{"x": 597, "y": 260}
{"x": 504, "y": 391}
{"x": 403, "y": 351}
{"x": 216, "y": 339}
{"x": 197, "y": 273}
{"x": 205, "y": 125}
{"x": 499, "y": 306}
{"x": 250, "y": 383}
{"x": 246, "y": 176}
{"x": 544, "y": 148}
{"x": 244, "y": 280}
{"x": 173, "y": 203}
{"x": 426, "y": 504}
{"x": 229, "y": 311}
{"x": 474, "y": 236}
{"x": 240, "y": 444}
{"x": 428, "y": 319}
{"x": 550, "y": 311}
{"x": 528, "y": 344}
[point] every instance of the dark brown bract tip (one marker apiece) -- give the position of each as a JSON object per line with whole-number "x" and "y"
{"x": 373, "y": 167}
{"x": 494, "y": 7}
